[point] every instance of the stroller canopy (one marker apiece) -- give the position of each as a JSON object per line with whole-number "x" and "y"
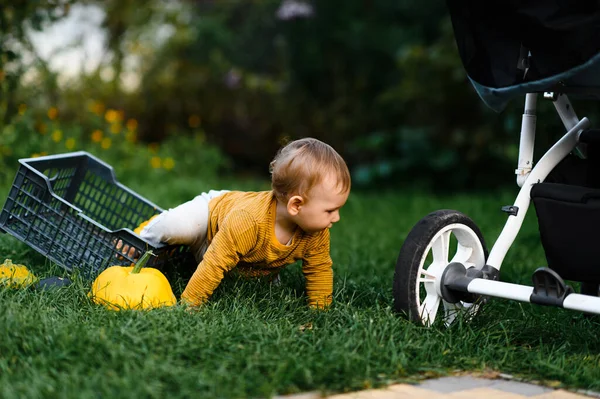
{"x": 513, "y": 47}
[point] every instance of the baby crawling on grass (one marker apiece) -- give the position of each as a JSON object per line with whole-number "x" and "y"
{"x": 259, "y": 233}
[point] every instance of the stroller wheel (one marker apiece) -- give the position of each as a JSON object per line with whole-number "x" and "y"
{"x": 438, "y": 239}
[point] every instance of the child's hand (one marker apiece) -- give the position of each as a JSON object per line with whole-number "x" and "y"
{"x": 127, "y": 250}
{"x": 189, "y": 308}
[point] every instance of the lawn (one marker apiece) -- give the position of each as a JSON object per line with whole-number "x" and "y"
{"x": 258, "y": 340}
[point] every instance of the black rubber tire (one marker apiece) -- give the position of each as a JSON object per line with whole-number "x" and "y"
{"x": 411, "y": 253}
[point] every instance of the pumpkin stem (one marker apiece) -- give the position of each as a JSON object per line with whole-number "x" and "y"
{"x": 142, "y": 262}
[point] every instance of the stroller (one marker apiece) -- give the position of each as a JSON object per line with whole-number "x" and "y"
{"x": 509, "y": 48}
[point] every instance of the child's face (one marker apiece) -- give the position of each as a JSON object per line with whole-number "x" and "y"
{"x": 322, "y": 209}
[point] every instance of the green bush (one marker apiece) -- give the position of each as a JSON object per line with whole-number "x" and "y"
{"x": 113, "y": 138}
{"x": 380, "y": 81}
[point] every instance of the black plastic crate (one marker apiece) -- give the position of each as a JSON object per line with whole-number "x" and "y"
{"x": 71, "y": 209}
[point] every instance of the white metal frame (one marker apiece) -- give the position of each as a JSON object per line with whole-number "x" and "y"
{"x": 527, "y": 175}
{"x": 469, "y": 246}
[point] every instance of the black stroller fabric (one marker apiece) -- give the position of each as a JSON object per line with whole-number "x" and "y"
{"x": 568, "y": 218}
{"x": 505, "y": 43}
{"x": 568, "y": 211}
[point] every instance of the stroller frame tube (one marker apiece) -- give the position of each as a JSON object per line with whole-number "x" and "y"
{"x": 456, "y": 279}
{"x": 538, "y": 173}
{"x": 523, "y": 293}
{"x": 527, "y": 141}
{"x": 565, "y": 111}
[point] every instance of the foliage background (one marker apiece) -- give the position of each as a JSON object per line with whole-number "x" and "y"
{"x": 197, "y": 94}
{"x": 381, "y": 81}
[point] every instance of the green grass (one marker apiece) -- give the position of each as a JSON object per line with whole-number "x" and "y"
{"x": 258, "y": 340}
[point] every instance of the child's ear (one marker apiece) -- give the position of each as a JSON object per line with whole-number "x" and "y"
{"x": 294, "y": 204}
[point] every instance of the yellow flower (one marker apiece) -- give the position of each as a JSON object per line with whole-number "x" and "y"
{"x": 168, "y": 163}
{"x": 57, "y": 136}
{"x": 22, "y": 108}
{"x": 194, "y": 121}
{"x": 106, "y": 143}
{"x": 132, "y": 124}
{"x": 41, "y": 127}
{"x": 97, "y": 136}
{"x": 52, "y": 113}
{"x": 115, "y": 128}
{"x": 70, "y": 143}
{"x": 96, "y": 107}
{"x": 111, "y": 116}
{"x": 155, "y": 162}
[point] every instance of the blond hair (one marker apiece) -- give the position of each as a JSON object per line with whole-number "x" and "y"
{"x": 302, "y": 164}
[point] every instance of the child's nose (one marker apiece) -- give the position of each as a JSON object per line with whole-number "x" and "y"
{"x": 336, "y": 217}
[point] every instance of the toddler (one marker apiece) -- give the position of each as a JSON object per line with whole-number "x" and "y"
{"x": 262, "y": 232}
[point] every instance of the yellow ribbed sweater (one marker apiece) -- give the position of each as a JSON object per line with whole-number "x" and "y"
{"x": 241, "y": 232}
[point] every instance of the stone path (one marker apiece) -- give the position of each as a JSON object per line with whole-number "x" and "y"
{"x": 458, "y": 387}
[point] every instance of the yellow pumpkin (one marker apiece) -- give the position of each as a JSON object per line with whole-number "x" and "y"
{"x": 15, "y": 275}
{"x": 132, "y": 287}
{"x": 139, "y": 229}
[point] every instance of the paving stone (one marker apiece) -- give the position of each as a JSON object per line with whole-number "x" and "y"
{"x": 461, "y": 387}
{"x": 414, "y": 391}
{"x": 485, "y": 393}
{"x": 519, "y": 387}
{"x": 367, "y": 394}
{"x": 399, "y": 391}
{"x": 304, "y": 395}
{"x": 559, "y": 394}
{"x": 453, "y": 384}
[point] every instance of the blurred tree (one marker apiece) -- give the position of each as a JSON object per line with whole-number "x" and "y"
{"x": 256, "y": 72}
{"x": 381, "y": 81}
{"x": 15, "y": 19}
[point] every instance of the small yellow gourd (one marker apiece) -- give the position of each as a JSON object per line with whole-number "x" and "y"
{"x": 139, "y": 229}
{"x": 132, "y": 287}
{"x": 15, "y": 276}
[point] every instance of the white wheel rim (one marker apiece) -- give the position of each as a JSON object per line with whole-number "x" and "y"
{"x": 468, "y": 251}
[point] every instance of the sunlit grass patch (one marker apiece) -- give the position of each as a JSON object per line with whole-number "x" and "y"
{"x": 254, "y": 339}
